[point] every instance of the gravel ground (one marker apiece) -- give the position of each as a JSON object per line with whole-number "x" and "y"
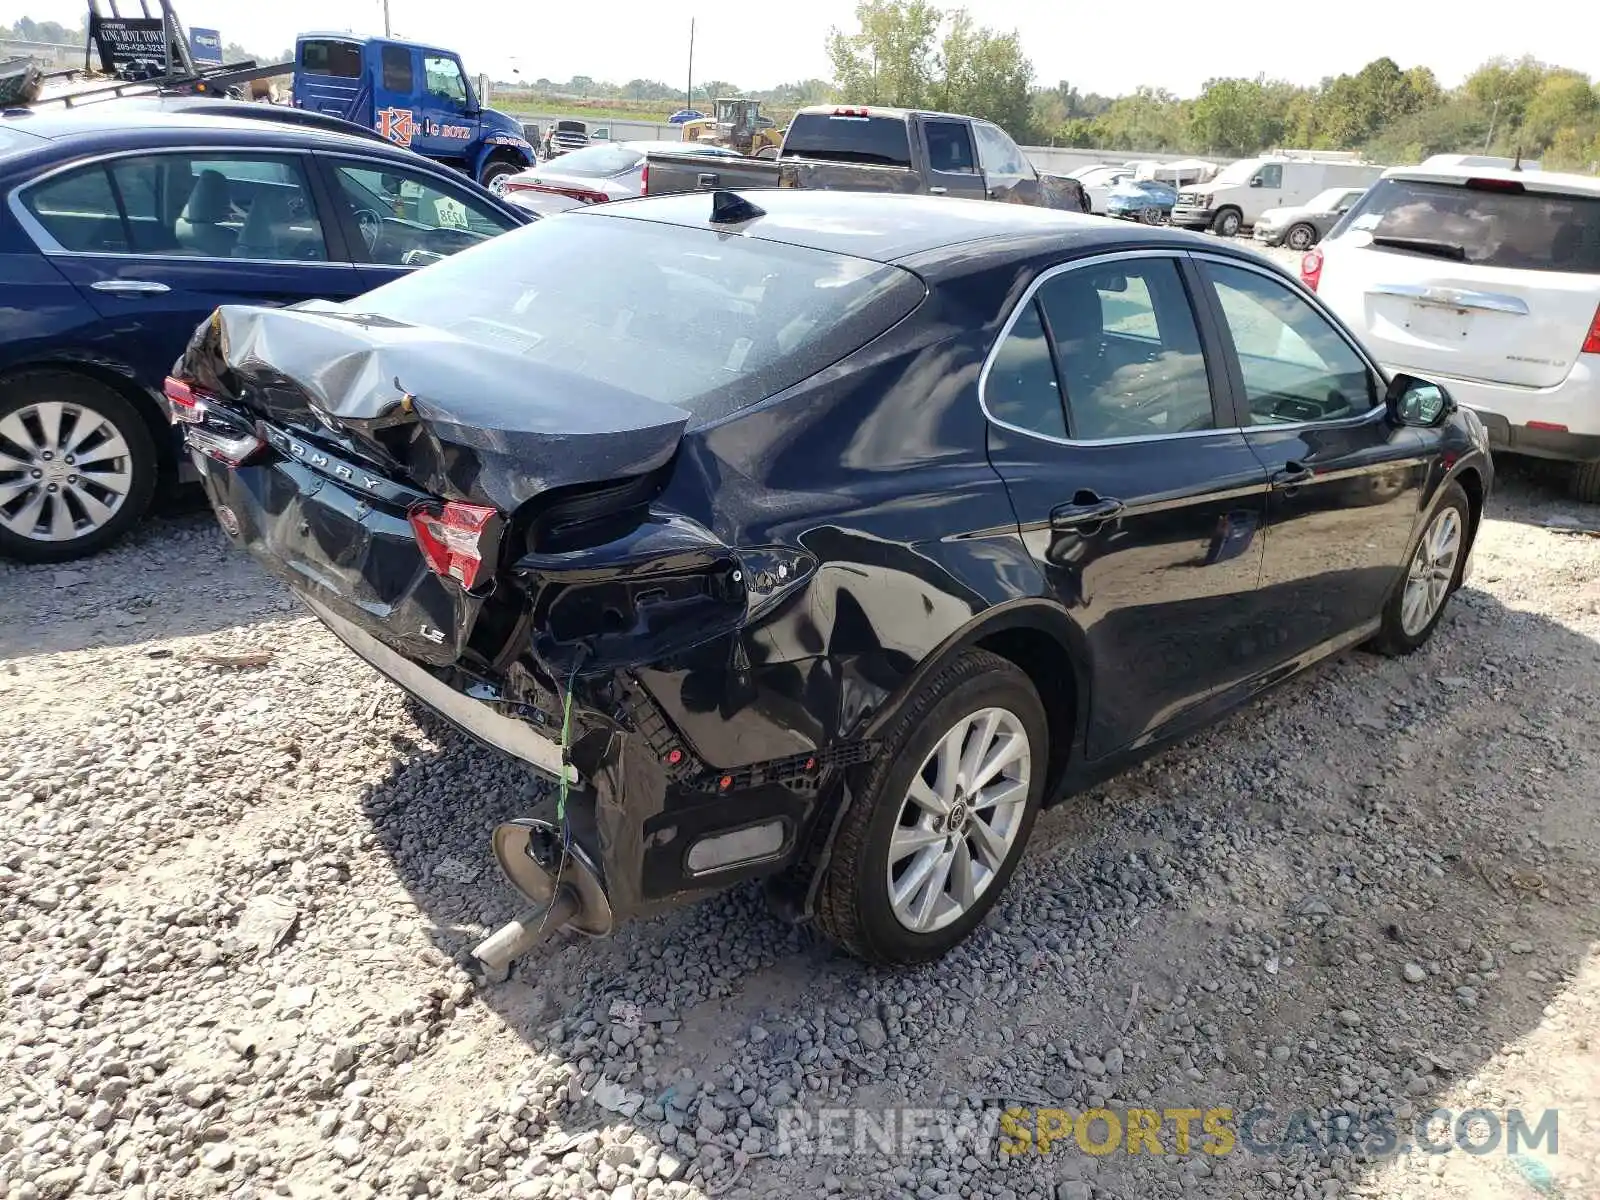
{"x": 235, "y": 869}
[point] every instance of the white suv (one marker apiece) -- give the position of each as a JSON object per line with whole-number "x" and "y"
{"x": 1486, "y": 279}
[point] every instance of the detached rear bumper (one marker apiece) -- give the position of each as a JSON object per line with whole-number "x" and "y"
{"x": 652, "y": 826}
{"x": 506, "y": 734}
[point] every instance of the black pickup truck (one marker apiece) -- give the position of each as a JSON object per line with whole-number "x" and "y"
{"x": 880, "y": 150}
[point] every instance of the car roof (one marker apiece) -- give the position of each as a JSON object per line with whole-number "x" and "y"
{"x": 110, "y": 126}
{"x": 885, "y": 227}
{"x": 1533, "y": 181}
{"x": 874, "y": 110}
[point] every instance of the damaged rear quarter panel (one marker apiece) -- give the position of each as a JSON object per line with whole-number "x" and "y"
{"x": 876, "y": 472}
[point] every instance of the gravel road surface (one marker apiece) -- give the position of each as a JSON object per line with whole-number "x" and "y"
{"x": 235, "y": 867}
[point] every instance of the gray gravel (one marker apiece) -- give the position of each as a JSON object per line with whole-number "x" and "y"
{"x": 236, "y": 867}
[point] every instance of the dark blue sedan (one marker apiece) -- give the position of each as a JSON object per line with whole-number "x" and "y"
{"x": 120, "y": 230}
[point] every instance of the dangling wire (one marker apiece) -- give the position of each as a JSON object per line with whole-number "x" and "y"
{"x": 566, "y": 745}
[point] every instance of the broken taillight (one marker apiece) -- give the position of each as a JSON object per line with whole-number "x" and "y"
{"x": 458, "y": 540}
{"x": 187, "y": 405}
{"x": 210, "y": 431}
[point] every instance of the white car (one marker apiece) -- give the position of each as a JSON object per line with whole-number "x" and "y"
{"x": 1098, "y": 182}
{"x": 593, "y": 175}
{"x": 1487, "y": 280}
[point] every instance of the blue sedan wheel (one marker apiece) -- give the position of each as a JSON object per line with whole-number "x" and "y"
{"x": 77, "y": 466}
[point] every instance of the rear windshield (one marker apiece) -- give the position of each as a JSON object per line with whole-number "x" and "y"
{"x": 598, "y": 162}
{"x": 15, "y": 139}
{"x": 880, "y": 141}
{"x": 688, "y": 317}
{"x": 1529, "y": 230}
{"x": 342, "y": 60}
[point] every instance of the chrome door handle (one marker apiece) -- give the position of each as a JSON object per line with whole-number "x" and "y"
{"x": 708, "y": 179}
{"x": 130, "y": 287}
{"x": 1070, "y": 516}
{"x": 1292, "y": 475}
{"x": 938, "y": 191}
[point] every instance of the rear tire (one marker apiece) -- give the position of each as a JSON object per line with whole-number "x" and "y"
{"x": 1584, "y": 484}
{"x": 1423, "y": 593}
{"x": 51, "y": 422}
{"x": 1300, "y": 237}
{"x": 987, "y": 712}
{"x": 1227, "y": 223}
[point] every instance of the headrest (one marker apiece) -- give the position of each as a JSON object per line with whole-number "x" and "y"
{"x": 208, "y": 203}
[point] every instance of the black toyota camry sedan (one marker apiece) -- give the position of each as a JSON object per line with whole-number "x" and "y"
{"x": 826, "y": 537}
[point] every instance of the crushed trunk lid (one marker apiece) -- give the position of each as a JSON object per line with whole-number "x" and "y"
{"x": 465, "y": 419}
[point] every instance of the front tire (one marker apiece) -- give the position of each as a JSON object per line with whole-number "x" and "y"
{"x": 496, "y": 173}
{"x": 1300, "y": 237}
{"x": 78, "y": 466}
{"x": 1432, "y": 575}
{"x": 938, "y": 821}
{"x": 1227, "y": 223}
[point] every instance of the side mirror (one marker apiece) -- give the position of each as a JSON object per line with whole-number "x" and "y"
{"x": 1413, "y": 401}
{"x": 1255, "y": 181}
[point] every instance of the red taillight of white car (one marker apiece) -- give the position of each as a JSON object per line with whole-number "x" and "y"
{"x": 1591, "y": 341}
{"x": 1311, "y": 268}
{"x": 221, "y": 439}
{"x": 458, "y": 540}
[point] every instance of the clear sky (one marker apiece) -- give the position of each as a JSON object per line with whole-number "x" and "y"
{"x": 1108, "y": 47}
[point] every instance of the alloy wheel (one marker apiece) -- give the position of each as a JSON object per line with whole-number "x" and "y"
{"x": 1299, "y": 238}
{"x": 959, "y": 820}
{"x": 1433, "y": 568}
{"x": 65, "y": 470}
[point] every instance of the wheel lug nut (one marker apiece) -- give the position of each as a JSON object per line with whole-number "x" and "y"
{"x": 38, "y": 474}
{"x": 50, "y": 488}
{"x": 72, "y": 479}
{"x": 68, "y": 460}
{"x": 47, "y": 456}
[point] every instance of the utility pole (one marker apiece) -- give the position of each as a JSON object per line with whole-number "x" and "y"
{"x": 386, "y": 18}
{"x": 688, "y": 95}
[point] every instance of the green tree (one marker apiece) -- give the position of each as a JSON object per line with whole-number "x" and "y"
{"x": 1235, "y": 116}
{"x": 891, "y": 59}
{"x": 1564, "y": 103}
{"x": 985, "y": 74}
{"x": 1149, "y": 119}
{"x": 1353, "y": 109}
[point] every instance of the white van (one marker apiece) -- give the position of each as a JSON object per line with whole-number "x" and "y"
{"x": 1244, "y": 190}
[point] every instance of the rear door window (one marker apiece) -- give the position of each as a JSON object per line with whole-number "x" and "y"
{"x": 397, "y": 69}
{"x": 1482, "y": 225}
{"x": 688, "y": 317}
{"x": 341, "y": 60}
{"x": 848, "y": 138}
{"x": 950, "y": 147}
{"x": 79, "y": 211}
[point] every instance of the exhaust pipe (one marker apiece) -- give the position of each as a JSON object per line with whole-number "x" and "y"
{"x": 562, "y": 888}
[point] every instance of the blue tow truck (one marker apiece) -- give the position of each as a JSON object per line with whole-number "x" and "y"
{"x": 416, "y": 96}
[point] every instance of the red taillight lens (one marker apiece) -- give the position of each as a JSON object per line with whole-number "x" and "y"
{"x": 1311, "y": 269}
{"x": 223, "y": 439}
{"x": 457, "y": 539}
{"x": 1591, "y": 343}
{"x": 644, "y": 179}
{"x": 188, "y": 406}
